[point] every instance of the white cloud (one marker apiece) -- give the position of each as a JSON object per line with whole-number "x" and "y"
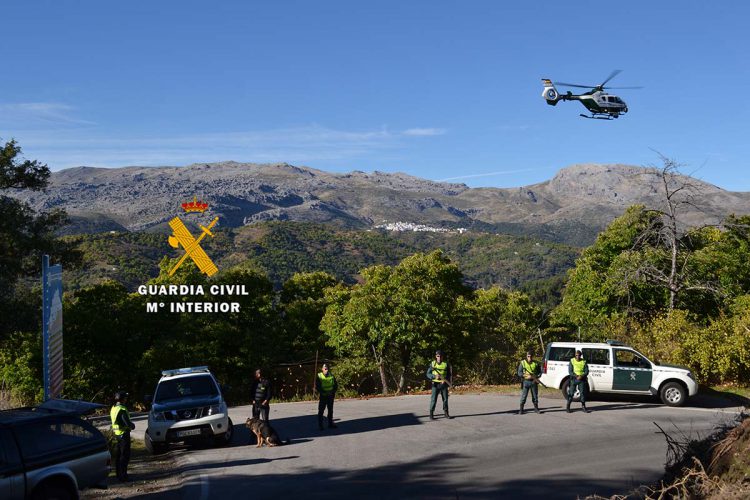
{"x": 68, "y": 148}
{"x": 38, "y": 115}
{"x": 490, "y": 174}
{"x": 424, "y": 132}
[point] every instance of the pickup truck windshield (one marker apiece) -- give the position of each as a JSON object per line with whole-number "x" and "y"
{"x": 198, "y": 385}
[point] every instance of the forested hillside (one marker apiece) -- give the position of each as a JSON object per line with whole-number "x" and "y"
{"x": 281, "y": 249}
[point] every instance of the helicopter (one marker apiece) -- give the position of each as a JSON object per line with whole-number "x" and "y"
{"x": 601, "y": 105}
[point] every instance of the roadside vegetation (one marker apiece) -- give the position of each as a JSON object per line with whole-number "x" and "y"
{"x": 680, "y": 294}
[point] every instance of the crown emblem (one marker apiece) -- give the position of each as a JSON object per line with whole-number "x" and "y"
{"x": 195, "y": 206}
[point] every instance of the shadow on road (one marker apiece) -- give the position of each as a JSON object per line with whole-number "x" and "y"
{"x": 306, "y": 426}
{"x": 425, "y": 478}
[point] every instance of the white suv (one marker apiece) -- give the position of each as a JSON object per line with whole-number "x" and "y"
{"x": 187, "y": 404}
{"x": 617, "y": 368}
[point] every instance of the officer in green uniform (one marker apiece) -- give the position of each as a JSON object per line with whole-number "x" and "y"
{"x": 121, "y": 427}
{"x": 326, "y": 386}
{"x": 578, "y": 371}
{"x": 439, "y": 372}
{"x": 530, "y": 371}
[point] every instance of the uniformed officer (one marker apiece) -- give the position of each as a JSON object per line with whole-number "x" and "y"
{"x": 578, "y": 371}
{"x": 530, "y": 371}
{"x": 121, "y": 427}
{"x": 326, "y": 386}
{"x": 260, "y": 391}
{"x": 439, "y": 372}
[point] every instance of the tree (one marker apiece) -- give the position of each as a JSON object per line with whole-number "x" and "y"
{"x": 503, "y": 326}
{"x": 24, "y": 234}
{"x": 303, "y": 305}
{"x": 400, "y": 313}
{"x": 671, "y": 236}
{"x": 650, "y": 260}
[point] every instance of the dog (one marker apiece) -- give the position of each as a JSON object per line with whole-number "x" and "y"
{"x": 264, "y": 432}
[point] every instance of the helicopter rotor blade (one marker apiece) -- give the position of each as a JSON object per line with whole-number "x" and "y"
{"x": 638, "y": 87}
{"x": 612, "y": 75}
{"x": 575, "y": 85}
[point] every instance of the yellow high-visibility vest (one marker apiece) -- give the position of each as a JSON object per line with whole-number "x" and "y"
{"x": 578, "y": 366}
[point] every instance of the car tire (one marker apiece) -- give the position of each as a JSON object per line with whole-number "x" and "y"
{"x": 226, "y": 438}
{"x": 564, "y": 390}
{"x": 152, "y": 447}
{"x": 53, "y": 491}
{"x": 673, "y": 394}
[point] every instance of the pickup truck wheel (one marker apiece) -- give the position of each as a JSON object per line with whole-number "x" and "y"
{"x": 52, "y": 491}
{"x": 224, "y": 439}
{"x": 564, "y": 390}
{"x": 152, "y": 447}
{"x": 673, "y": 394}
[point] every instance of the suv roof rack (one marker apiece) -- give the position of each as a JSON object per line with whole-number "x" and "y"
{"x": 615, "y": 342}
{"x": 183, "y": 371}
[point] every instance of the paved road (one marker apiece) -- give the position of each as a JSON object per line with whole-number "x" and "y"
{"x": 388, "y": 448}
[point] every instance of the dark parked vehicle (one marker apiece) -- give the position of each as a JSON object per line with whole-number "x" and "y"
{"x": 50, "y": 452}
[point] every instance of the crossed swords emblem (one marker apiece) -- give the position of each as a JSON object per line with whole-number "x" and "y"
{"x": 183, "y": 237}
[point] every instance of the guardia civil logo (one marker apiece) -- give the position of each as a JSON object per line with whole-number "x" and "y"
{"x": 182, "y": 237}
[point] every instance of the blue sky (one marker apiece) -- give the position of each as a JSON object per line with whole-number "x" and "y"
{"x": 437, "y": 89}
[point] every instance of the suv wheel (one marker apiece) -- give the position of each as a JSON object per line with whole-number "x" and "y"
{"x": 673, "y": 394}
{"x": 52, "y": 491}
{"x": 224, "y": 439}
{"x": 154, "y": 448}
{"x": 564, "y": 390}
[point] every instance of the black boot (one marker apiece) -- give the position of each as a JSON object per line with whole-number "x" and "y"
{"x": 567, "y": 408}
{"x": 448, "y": 415}
{"x": 536, "y": 407}
{"x": 585, "y": 410}
{"x": 331, "y": 425}
{"x": 432, "y": 416}
{"x": 320, "y": 424}
{"x": 520, "y": 410}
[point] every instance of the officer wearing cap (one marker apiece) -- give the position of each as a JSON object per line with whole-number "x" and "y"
{"x": 578, "y": 370}
{"x": 121, "y": 427}
{"x": 530, "y": 371}
{"x": 439, "y": 372}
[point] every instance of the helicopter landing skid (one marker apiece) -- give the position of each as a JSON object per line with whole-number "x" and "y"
{"x": 594, "y": 117}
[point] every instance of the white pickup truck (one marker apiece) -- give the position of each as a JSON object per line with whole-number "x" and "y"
{"x": 617, "y": 368}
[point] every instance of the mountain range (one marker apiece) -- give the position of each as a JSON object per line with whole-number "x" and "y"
{"x": 572, "y": 207}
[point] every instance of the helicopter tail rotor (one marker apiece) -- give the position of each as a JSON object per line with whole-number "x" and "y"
{"x": 550, "y": 93}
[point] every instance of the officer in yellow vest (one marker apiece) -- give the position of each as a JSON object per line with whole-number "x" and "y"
{"x": 578, "y": 371}
{"x": 530, "y": 371}
{"x": 121, "y": 427}
{"x": 439, "y": 372}
{"x": 326, "y": 386}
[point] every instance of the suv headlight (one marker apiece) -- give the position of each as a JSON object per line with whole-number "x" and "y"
{"x": 158, "y": 416}
{"x": 213, "y": 410}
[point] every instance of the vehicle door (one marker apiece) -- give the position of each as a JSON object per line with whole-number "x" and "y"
{"x": 558, "y": 358}
{"x": 12, "y": 482}
{"x": 632, "y": 372}
{"x": 600, "y": 368}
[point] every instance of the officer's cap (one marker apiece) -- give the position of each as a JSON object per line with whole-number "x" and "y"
{"x": 578, "y": 351}
{"x": 440, "y": 353}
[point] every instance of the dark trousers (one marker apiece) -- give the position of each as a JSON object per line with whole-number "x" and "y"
{"x": 122, "y": 455}
{"x": 261, "y": 410}
{"x": 441, "y": 389}
{"x": 325, "y": 401}
{"x": 581, "y": 384}
{"x": 527, "y": 385}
